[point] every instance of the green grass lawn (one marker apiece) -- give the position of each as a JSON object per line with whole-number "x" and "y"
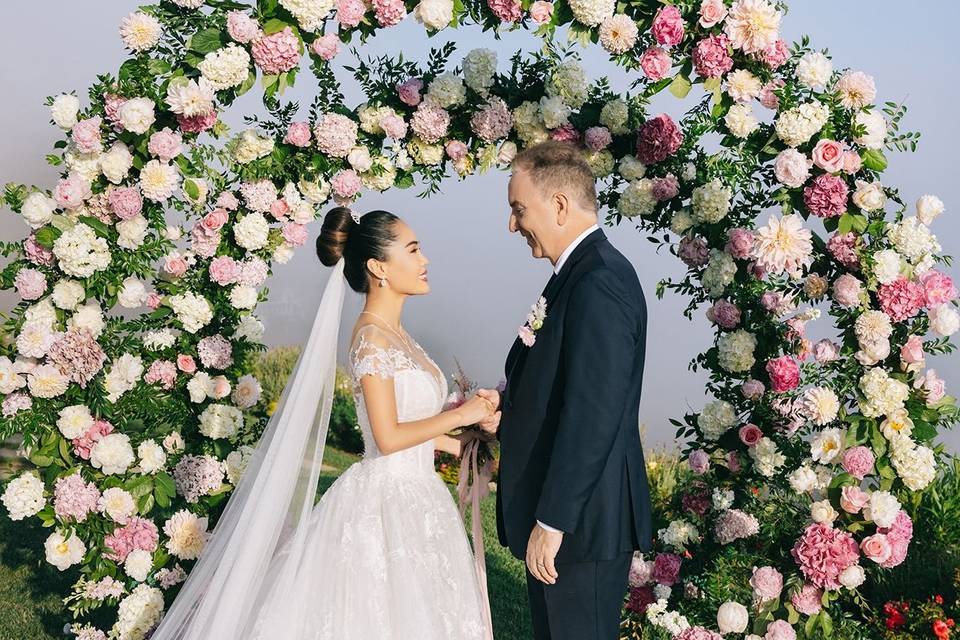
{"x": 30, "y": 589}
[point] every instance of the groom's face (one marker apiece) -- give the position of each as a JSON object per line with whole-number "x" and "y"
{"x": 531, "y": 214}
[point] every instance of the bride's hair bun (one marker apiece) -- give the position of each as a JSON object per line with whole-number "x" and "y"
{"x": 334, "y": 234}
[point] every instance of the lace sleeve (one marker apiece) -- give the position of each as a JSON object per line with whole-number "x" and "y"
{"x": 374, "y": 353}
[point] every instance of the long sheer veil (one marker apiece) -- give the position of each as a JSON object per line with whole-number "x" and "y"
{"x": 252, "y": 555}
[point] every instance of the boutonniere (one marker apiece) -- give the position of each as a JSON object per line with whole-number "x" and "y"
{"x": 538, "y": 312}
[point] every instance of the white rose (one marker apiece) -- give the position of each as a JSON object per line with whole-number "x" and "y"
{"x": 928, "y": 208}
{"x": 823, "y": 512}
{"x": 64, "y": 110}
{"x": 732, "y": 617}
{"x": 137, "y": 115}
{"x": 38, "y": 209}
{"x": 62, "y": 552}
{"x": 67, "y": 294}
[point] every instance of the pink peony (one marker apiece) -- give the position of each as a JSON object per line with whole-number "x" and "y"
{"x": 846, "y": 290}
{"x": 597, "y": 138}
{"x": 163, "y": 372}
{"x": 71, "y": 191}
{"x": 350, "y": 12}
{"x": 697, "y": 633}
{"x": 242, "y": 28}
{"x": 326, "y": 46}
{"x": 807, "y": 600}
{"x": 826, "y": 196}
{"x": 224, "y": 270}
{"x": 843, "y": 248}
{"x": 639, "y": 572}
{"x": 666, "y": 569}
{"x": 776, "y": 54}
{"x": 409, "y": 91}
{"x": 699, "y": 461}
{"x": 750, "y": 434}
{"x": 767, "y": 583}
{"x": 346, "y": 184}
{"x": 853, "y": 499}
{"x": 667, "y": 27}
{"x": 780, "y": 630}
{"x": 822, "y": 553}
{"x": 197, "y": 124}
{"x": 899, "y": 535}
{"x": 739, "y": 243}
{"x": 153, "y": 300}
{"x": 30, "y": 283}
{"x": 83, "y": 444}
{"x": 125, "y": 202}
{"x": 828, "y": 155}
{"x": 693, "y": 251}
{"x": 901, "y": 299}
{"x": 937, "y": 288}
{"x": 506, "y": 10}
{"x": 279, "y": 209}
{"x": 86, "y": 135}
{"x": 14, "y": 403}
{"x": 711, "y": 57}
{"x": 658, "y": 139}
{"x": 656, "y": 63}
{"x": 389, "y": 12}
{"x": 876, "y": 548}
{"x": 298, "y": 134}
{"x": 724, "y": 314}
{"x": 276, "y": 53}
{"x": 933, "y": 386}
{"x": 541, "y": 11}
{"x": 784, "y": 373}
{"x": 165, "y": 144}
{"x": 111, "y": 106}
{"x": 858, "y": 461}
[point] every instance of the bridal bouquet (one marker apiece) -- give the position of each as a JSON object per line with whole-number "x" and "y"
{"x": 485, "y": 442}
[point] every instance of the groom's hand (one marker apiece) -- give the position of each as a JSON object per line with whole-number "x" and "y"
{"x": 490, "y": 394}
{"x": 542, "y": 549}
{"x": 491, "y": 423}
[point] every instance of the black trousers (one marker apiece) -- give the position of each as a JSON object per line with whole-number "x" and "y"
{"x": 585, "y": 602}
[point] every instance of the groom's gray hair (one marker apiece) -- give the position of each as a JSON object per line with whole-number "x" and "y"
{"x": 556, "y": 165}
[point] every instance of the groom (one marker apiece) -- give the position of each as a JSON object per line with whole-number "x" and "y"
{"x": 573, "y": 499}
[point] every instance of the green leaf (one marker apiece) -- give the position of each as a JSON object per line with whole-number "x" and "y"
{"x": 158, "y": 67}
{"x": 46, "y": 236}
{"x": 206, "y": 41}
{"x": 680, "y": 86}
{"x": 191, "y": 188}
{"x": 923, "y": 431}
{"x": 274, "y": 26}
{"x": 826, "y": 623}
{"x": 845, "y": 224}
{"x": 102, "y": 230}
{"x": 248, "y": 83}
{"x": 874, "y": 160}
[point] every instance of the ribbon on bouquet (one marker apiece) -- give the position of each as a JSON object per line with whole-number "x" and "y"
{"x": 473, "y": 484}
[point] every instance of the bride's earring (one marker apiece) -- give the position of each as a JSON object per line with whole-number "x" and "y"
{"x": 383, "y": 282}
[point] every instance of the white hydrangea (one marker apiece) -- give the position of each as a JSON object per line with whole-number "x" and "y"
{"x": 874, "y": 127}
{"x": 226, "y": 68}
{"x": 614, "y": 116}
{"x": 137, "y": 115}
{"x": 882, "y": 394}
{"x": 631, "y": 168}
{"x": 719, "y": 273}
{"x": 38, "y": 209}
{"x": 735, "y": 351}
{"x": 64, "y": 552}
{"x": 741, "y": 121}
{"x": 138, "y": 613}
{"x": 74, "y": 421}
{"x": 912, "y": 239}
{"x": 237, "y": 461}
{"x": 528, "y": 122}
{"x": 814, "y": 70}
{"x": 80, "y": 252}
{"x": 882, "y": 508}
{"x": 250, "y": 146}
{"x": 446, "y": 90}
{"x": 112, "y": 454}
{"x": 766, "y": 457}
{"x": 310, "y": 14}
{"x": 64, "y": 110}
{"x": 722, "y": 499}
{"x": 601, "y": 162}
{"x": 554, "y": 111}
{"x": 479, "y": 67}
{"x": 915, "y": 464}
{"x": 251, "y": 231}
{"x": 592, "y": 12}
{"x": 681, "y": 221}
{"x": 569, "y": 82}
{"x": 797, "y": 125}
{"x": 716, "y": 418}
{"x": 678, "y": 534}
{"x": 23, "y": 496}
{"x": 249, "y": 328}
{"x": 637, "y": 199}
{"x": 116, "y": 163}
{"x": 220, "y": 421}
{"x": 192, "y": 310}
{"x": 711, "y": 201}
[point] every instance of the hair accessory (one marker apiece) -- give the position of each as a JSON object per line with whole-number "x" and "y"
{"x": 355, "y": 216}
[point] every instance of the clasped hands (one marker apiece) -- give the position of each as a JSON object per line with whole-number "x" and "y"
{"x": 481, "y": 410}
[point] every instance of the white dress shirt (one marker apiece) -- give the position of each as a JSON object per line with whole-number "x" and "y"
{"x": 556, "y": 269}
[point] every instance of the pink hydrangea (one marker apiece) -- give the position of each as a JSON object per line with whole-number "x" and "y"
{"x": 138, "y": 533}
{"x": 775, "y": 54}
{"x": 826, "y": 196}
{"x": 656, "y": 63}
{"x": 326, "y": 46}
{"x": 71, "y": 191}
{"x": 16, "y": 402}
{"x": 78, "y": 355}
{"x": 259, "y": 194}
{"x": 697, "y": 501}
{"x": 74, "y": 497}
{"x": 165, "y": 144}
{"x": 298, "y": 134}
{"x": 215, "y": 352}
{"x": 739, "y": 243}
{"x": 163, "y": 372}
{"x": 30, "y": 283}
{"x": 491, "y": 123}
{"x": 254, "y": 272}
{"x": 899, "y": 535}
{"x": 734, "y": 524}
{"x": 430, "y": 122}
{"x": 125, "y": 202}
{"x": 666, "y": 568}
{"x": 697, "y": 633}
{"x": 724, "y": 314}
{"x": 276, "y": 53}
{"x": 784, "y": 373}
{"x": 203, "y": 241}
{"x": 767, "y": 583}
{"x": 938, "y": 288}
{"x": 409, "y": 91}
{"x": 693, "y": 251}
{"x": 196, "y": 476}
{"x": 752, "y": 389}
{"x": 666, "y": 188}
{"x": 858, "y": 461}
{"x": 36, "y": 252}
{"x": 901, "y": 299}
{"x": 780, "y": 630}
{"x": 350, "y": 12}
{"x": 565, "y": 133}
{"x": 541, "y": 11}
{"x": 86, "y": 135}
{"x": 336, "y": 134}
{"x": 295, "y": 234}
{"x": 198, "y": 123}
{"x": 346, "y": 184}
{"x": 389, "y": 12}
{"x": 711, "y": 57}
{"x": 658, "y": 139}
{"x": 597, "y": 138}
{"x": 83, "y": 444}
{"x": 668, "y": 27}
{"x": 822, "y": 553}
{"x": 242, "y": 28}
{"x": 506, "y": 10}
{"x": 843, "y": 248}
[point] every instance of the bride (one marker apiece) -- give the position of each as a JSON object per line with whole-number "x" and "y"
{"x": 384, "y": 553}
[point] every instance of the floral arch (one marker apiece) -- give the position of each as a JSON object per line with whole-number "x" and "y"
{"x": 839, "y": 433}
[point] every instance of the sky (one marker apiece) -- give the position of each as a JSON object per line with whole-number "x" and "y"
{"x": 483, "y": 279}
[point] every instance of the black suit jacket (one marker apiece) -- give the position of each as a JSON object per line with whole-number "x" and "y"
{"x": 571, "y": 454}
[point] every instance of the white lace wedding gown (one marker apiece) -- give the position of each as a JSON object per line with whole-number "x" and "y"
{"x": 388, "y": 556}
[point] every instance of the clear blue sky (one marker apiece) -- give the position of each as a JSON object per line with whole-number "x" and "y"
{"x": 483, "y": 279}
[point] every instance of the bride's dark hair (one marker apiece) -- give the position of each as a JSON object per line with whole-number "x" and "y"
{"x": 355, "y": 242}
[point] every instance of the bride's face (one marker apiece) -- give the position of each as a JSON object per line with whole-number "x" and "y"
{"x": 406, "y": 266}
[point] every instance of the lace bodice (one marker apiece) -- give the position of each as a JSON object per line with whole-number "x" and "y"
{"x": 419, "y": 385}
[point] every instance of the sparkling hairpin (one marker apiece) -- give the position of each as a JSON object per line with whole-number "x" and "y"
{"x": 355, "y": 216}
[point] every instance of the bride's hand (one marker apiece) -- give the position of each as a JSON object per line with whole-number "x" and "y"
{"x": 475, "y": 410}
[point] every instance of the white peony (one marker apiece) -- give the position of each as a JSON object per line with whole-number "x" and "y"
{"x": 152, "y": 457}
{"x": 225, "y": 68}
{"x": 190, "y": 98}
{"x": 74, "y": 421}
{"x": 803, "y": 479}
{"x": 814, "y": 70}
{"x": 434, "y": 14}
{"x": 112, "y": 454}
{"x": 249, "y": 328}
{"x": 883, "y": 394}
{"x": 681, "y": 221}
{"x": 38, "y": 209}
{"x": 887, "y": 263}
{"x": 133, "y": 293}
{"x": 823, "y": 512}
{"x": 928, "y": 208}
{"x": 678, "y": 534}
{"x": 137, "y": 115}
{"x": 138, "y": 564}
{"x": 944, "y": 320}
{"x": 63, "y": 552}
{"x": 766, "y": 457}
{"x": 869, "y": 196}
{"x": 116, "y": 163}
{"x": 852, "y": 577}
{"x": 64, "y": 111}
{"x": 882, "y": 508}
{"x": 132, "y": 233}
{"x": 23, "y": 496}
{"x": 874, "y": 128}
{"x": 732, "y": 617}
{"x": 118, "y": 504}
{"x": 912, "y": 239}
{"x": 359, "y": 158}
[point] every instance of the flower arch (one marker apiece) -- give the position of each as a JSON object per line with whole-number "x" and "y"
{"x": 838, "y": 432}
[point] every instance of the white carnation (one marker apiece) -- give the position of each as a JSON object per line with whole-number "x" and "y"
{"x": 123, "y": 376}
{"x": 741, "y": 121}
{"x": 152, "y": 457}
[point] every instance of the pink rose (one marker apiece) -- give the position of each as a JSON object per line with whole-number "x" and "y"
{"x": 655, "y": 63}
{"x": 876, "y": 547}
{"x": 784, "y": 374}
{"x": 298, "y": 134}
{"x": 912, "y": 350}
{"x": 186, "y": 363}
{"x": 858, "y": 461}
{"x": 541, "y": 11}
{"x": 750, "y": 434}
{"x": 851, "y": 162}
{"x": 153, "y": 300}
{"x": 767, "y": 583}
{"x": 768, "y": 97}
{"x": 733, "y": 462}
{"x": 215, "y": 219}
{"x": 175, "y": 265}
{"x": 668, "y": 26}
{"x": 279, "y": 209}
{"x": 699, "y": 461}
{"x": 326, "y": 46}
{"x": 829, "y": 155}
{"x": 658, "y": 139}
{"x": 712, "y": 12}
{"x": 409, "y": 91}
{"x": 739, "y": 243}
{"x": 853, "y": 499}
